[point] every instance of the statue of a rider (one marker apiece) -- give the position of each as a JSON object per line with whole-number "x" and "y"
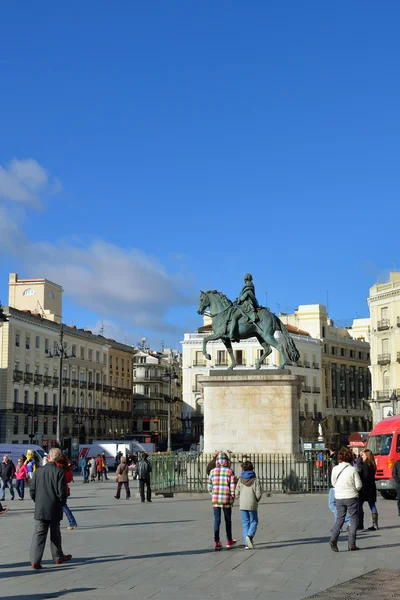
{"x": 248, "y": 307}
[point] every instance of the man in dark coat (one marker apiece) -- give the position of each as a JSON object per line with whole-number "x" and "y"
{"x": 48, "y": 490}
{"x": 143, "y": 471}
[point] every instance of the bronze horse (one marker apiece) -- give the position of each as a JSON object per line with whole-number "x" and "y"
{"x": 221, "y": 309}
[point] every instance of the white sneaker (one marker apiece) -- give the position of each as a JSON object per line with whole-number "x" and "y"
{"x": 249, "y": 540}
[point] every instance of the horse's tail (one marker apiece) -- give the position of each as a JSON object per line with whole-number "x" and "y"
{"x": 290, "y": 348}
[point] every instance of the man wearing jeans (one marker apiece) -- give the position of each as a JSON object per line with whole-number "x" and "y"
{"x": 332, "y": 462}
{"x": 7, "y": 472}
{"x": 222, "y": 487}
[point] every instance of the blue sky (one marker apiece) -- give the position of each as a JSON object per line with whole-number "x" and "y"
{"x": 150, "y": 151}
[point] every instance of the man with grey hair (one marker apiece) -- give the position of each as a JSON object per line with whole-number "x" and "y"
{"x": 48, "y": 490}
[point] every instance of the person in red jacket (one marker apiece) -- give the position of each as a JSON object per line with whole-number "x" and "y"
{"x": 99, "y": 467}
{"x": 21, "y": 473}
{"x": 63, "y": 462}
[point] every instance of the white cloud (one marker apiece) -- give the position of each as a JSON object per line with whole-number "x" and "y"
{"x": 24, "y": 181}
{"x": 127, "y": 286}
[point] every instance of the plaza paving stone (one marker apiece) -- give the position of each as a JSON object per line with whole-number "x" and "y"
{"x": 164, "y": 550}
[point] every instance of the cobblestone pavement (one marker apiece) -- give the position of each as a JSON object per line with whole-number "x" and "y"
{"x": 163, "y": 550}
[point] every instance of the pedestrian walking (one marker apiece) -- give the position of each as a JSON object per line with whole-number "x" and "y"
{"x": 99, "y": 467}
{"x": 49, "y": 492}
{"x": 7, "y": 471}
{"x": 396, "y": 477}
{"x": 21, "y": 473}
{"x": 103, "y": 456}
{"x": 3, "y": 510}
{"x": 332, "y": 462}
{"x": 122, "y": 479}
{"x": 368, "y": 490}
{"x": 222, "y": 487}
{"x": 347, "y": 484}
{"x": 65, "y": 465}
{"x": 144, "y": 470}
{"x": 92, "y": 469}
{"x": 249, "y": 492}
{"x": 84, "y": 470}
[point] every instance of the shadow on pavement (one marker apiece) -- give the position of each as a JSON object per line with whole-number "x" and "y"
{"x": 47, "y": 596}
{"x": 136, "y": 523}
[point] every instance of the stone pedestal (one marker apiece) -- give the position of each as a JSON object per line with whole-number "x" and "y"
{"x": 250, "y": 411}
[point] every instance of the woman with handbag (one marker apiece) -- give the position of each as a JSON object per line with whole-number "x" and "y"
{"x": 122, "y": 479}
{"x": 368, "y": 490}
{"x": 347, "y": 484}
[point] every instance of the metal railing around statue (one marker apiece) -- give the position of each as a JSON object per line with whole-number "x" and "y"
{"x": 279, "y": 473}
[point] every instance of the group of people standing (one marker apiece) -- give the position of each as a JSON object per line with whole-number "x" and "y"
{"x": 350, "y": 487}
{"x": 94, "y": 468}
{"x": 143, "y": 471}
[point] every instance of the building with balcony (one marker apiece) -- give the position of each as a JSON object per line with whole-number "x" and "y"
{"x": 155, "y": 391}
{"x": 346, "y": 381}
{"x": 384, "y": 306}
{"x": 194, "y": 365}
{"x": 30, "y": 377}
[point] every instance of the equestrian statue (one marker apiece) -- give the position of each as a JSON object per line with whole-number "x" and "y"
{"x": 244, "y": 319}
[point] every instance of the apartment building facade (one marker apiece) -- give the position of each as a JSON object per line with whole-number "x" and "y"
{"x": 384, "y": 306}
{"x": 346, "y": 380}
{"x": 157, "y": 389}
{"x": 93, "y": 406}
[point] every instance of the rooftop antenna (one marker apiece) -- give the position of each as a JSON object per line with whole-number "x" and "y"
{"x": 162, "y": 346}
{"x": 102, "y": 328}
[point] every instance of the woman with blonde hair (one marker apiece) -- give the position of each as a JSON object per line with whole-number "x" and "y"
{"x": 368, "y": 490}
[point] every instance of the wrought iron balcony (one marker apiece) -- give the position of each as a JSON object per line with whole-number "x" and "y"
{"x": 55, "y": 380}
{"x": 307, "y": 364}
{"x": 18, "y": 375}
{"x": 106, "y": 389}
{"x": 91, "y": 385}
{"x": 199, "y": 363}
{"x": 98, "y": 387}
{"x": 299, "y": 363}
{"x": 46, "y": 379}
{"x": 315, "y": 365}
{"x": 66, "y": 381}
{"x": 383, "y": 359}
{"x": 38, "y": 379}
{"x": 28, "y": 377}
{"x": 74, "y": 383}
{"x": 316, "y": 389}
{"x": 307, "y": 389}
{"x": 83, "y": 385}
{"x": 18, "y": 407}
{"x": 383, "y": 324}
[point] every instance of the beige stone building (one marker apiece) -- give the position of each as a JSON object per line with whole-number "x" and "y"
{"x": 152, "y": 391}
{"x": 96, "y": 403}
{"x": 384, "y": 305}
{"x": 346, "y": 381}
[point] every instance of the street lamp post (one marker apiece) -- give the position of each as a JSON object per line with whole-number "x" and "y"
{"x": 169, "y": 374}
{"x": 61, "y": 352}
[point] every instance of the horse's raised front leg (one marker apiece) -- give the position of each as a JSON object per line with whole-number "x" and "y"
{"x": 228, "y": 346}
{"x": 209, "y": 338}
